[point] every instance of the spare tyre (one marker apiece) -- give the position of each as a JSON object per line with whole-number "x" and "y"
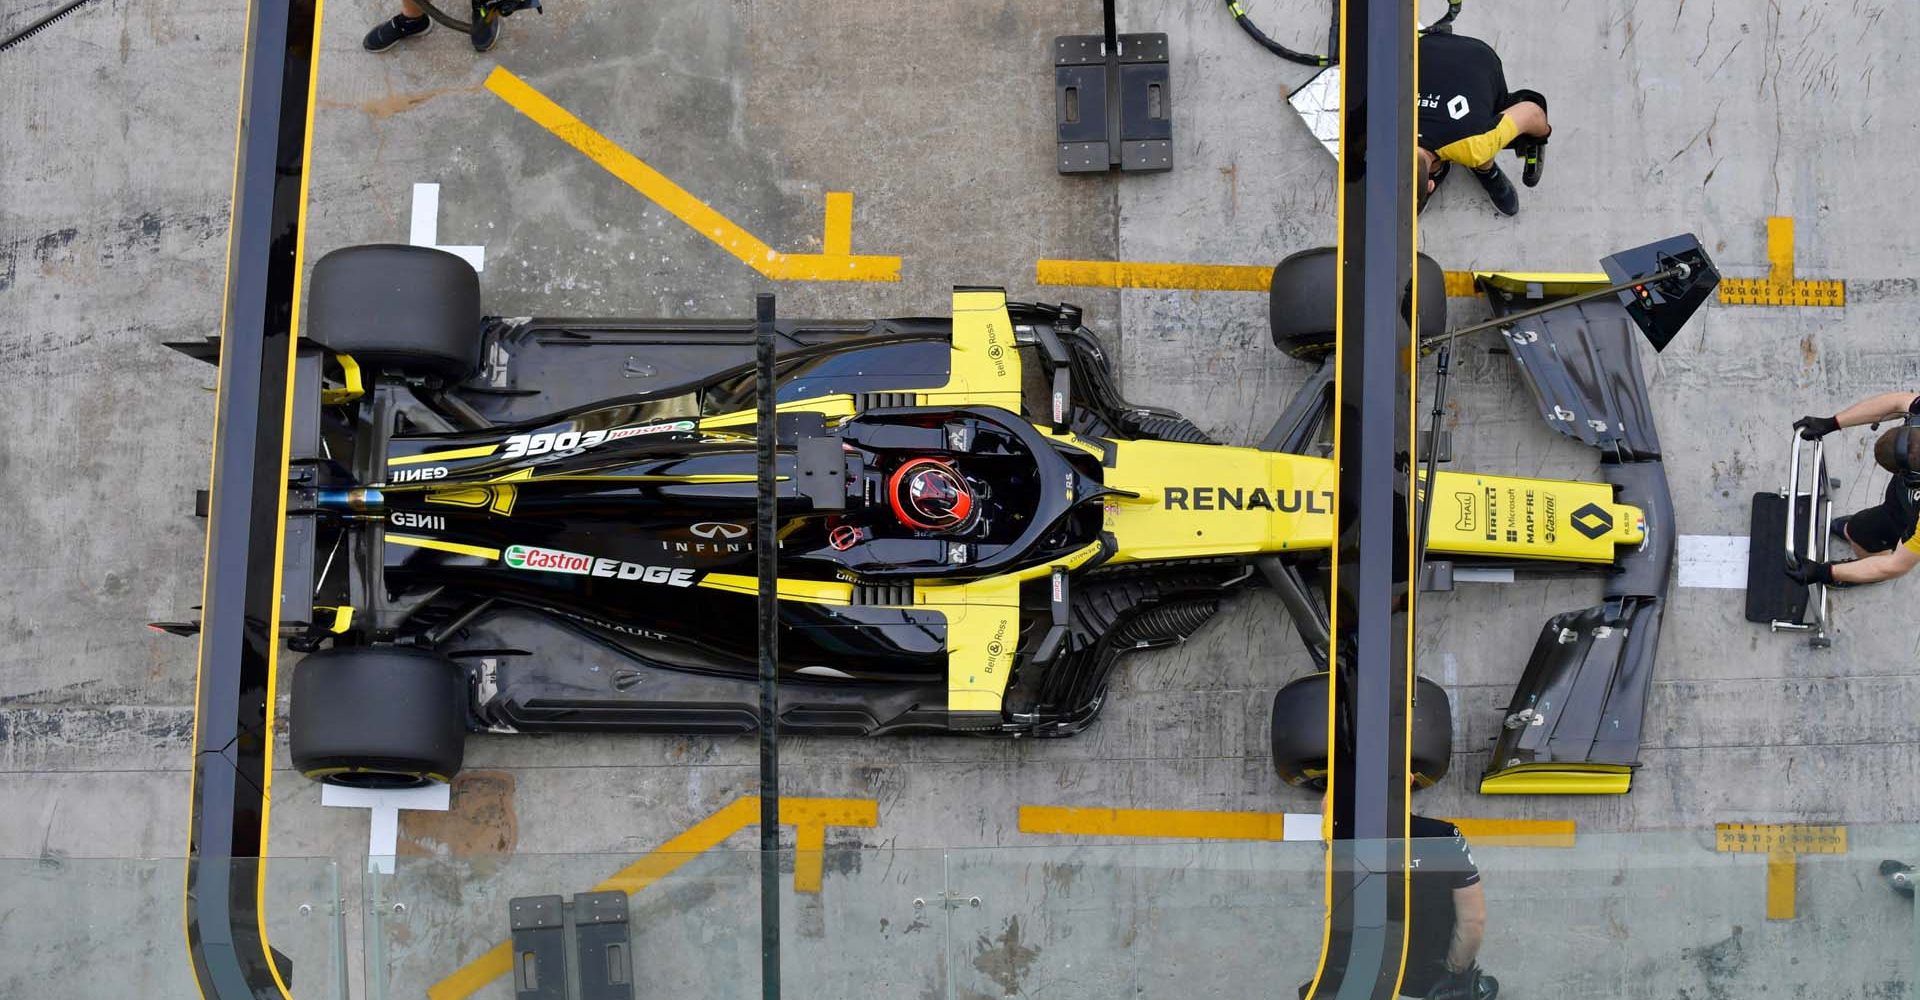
{"x": 1300, "y": 732}
{"x": 414, "y": 310}
{"x": 378, "y": 717}
{"x": 1301, "y": 301}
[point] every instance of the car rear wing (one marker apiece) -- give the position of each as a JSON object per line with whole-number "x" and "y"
{"x": 1573, "y": 725}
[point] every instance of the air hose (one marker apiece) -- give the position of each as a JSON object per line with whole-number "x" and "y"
{"x": 1445, "y": 24}
{"x": 497, "y": 8}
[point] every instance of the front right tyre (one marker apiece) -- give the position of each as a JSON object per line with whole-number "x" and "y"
{"x": 1299, "y": 732}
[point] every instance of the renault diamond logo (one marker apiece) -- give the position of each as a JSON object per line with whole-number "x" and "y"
{"x": 1592, "y": 521}
{"x": 718, "y": 529}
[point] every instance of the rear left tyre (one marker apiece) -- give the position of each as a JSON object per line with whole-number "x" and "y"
{"x": 412, "y": 310}
{"x": 378, "y": 717}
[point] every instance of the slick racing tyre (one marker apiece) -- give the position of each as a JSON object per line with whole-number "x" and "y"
{"x": 1300, "y": 732}
{"x": 413, "y": 310}
{"x": 1301, "y": 302}
{"x": 378, "y": 717}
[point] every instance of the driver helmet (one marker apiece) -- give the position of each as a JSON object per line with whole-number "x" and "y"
{"x": 928, "y": 494}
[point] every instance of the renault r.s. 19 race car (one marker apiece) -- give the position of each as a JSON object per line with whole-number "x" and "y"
{"x": 541, "y": 525}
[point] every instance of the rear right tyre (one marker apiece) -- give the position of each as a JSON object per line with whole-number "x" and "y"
{"x": 378, "y": 717}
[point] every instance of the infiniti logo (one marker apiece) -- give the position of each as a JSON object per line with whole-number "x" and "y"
{"x": 718, "y": 529}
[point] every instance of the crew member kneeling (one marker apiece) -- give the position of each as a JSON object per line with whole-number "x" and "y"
{"x": 1885, "y": 534}
{"x": 1467, "y": 116}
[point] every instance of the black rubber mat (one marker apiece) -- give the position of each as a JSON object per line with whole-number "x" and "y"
{"x": 1771, "y": 595}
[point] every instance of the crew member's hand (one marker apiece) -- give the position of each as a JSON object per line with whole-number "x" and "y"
{"x": 1815, "y": 428}
{"x": 1810, "y": 571}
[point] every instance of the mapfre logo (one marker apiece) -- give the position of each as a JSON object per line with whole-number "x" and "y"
{"x": 719, "y": 529}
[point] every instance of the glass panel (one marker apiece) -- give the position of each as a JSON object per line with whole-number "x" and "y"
{"x": 441, "y": 924}
{"x": 114, "y": 927}
{"x": 854, "y": 922}
{"x": 1669, "y": 914}
{"x": 1165, "y": 920}
{"x": 1602, "y": 916}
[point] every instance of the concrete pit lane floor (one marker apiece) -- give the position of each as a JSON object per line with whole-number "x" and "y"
{"x": 114, "y": 184}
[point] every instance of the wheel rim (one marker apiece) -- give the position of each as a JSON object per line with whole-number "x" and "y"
{"x": 378, "y": 780}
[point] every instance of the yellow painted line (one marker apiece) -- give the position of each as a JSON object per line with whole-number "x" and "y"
{"x": 1191, "y": 824}
{"x": 811, "y": 816}
{"x": 1769, "y": 838}
{"x": 1517, "y": 832}
{"x": 698, "y": 215}
{"x": 1781, "y": 868}
{"x": 1780, "y": 287}
{"x": 1782, "y": 843}
{"x": 434, "y": 543}
{"x": 838, "y": 238}
{"x": 1780, "y": 248}
{"x": 810, "y": 819}
{"x": 1134, "y": 274}
{"x": 1193, "y": 277}
{"x": 1766, "y": 292}
{"x": 479, "y": 451}
{"x": 1460, "y": 285}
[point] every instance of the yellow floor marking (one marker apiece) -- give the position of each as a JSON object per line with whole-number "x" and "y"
{"x": 1196, "y": 277}
{"x": 1200, "y": 824}
{"x": 811, "y": 817}
{"x": 1780, "y": 248}
{"x": 722, "y": 231}
{"x": 1780, "y": 287}
{"x": 1517, "y": 832}
{"x": 1134, "y": 274}
{"x": 838, "y": 238}
{"x": 1190, "y": 824}
{"x": 1780, "y": 887}
{"x": 1460, "y": 285}
{"x": 1782, "y": 843}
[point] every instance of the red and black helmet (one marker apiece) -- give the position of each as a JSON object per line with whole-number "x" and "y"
{"x": 927, "y": 494}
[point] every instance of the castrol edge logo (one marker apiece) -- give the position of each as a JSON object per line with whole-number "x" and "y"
{"x": 532, "y": 557}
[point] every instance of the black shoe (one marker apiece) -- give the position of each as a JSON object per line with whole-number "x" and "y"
{"x": 395, "y": 30}
{"x": 1499, "y": 190}
{"x": 1533, "y": 159}
{"x": 486, "y": 30}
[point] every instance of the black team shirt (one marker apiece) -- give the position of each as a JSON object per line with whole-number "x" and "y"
{"x": 1462, "y": 89}
{"x": 1441, "y": 864}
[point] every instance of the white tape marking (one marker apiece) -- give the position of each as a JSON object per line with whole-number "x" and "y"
{"x": 426, "y": 227}
{"x": 1717, "y": 562}
{"x": 1300, "y": 826}
{"x": 383, "y": 828}
{"x": 1481, "y": 574}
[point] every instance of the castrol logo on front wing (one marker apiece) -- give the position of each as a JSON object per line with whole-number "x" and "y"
{"x": 532, "y": 557}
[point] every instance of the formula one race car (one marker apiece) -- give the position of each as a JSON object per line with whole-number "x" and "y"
{"x": 539, "y": 525}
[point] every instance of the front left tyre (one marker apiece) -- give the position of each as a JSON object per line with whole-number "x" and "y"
{"x": 1302, "y": 302}
{"x": 378, "y": 717}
